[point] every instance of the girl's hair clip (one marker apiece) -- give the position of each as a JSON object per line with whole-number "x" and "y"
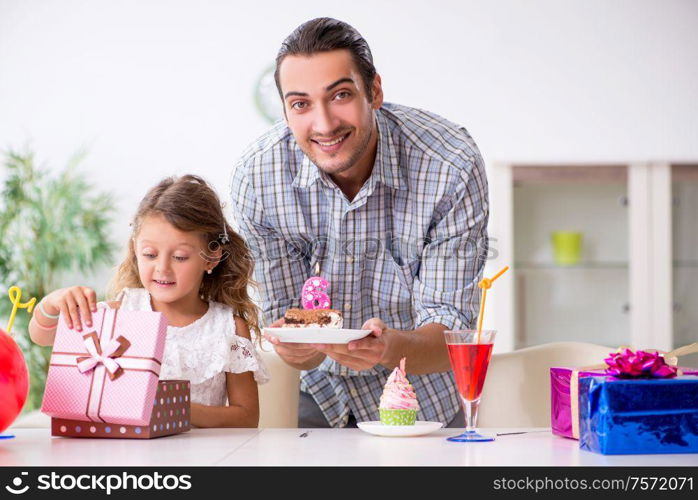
{"x": 223, "y": 238}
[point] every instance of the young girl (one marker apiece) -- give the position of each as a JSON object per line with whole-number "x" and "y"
{"x": 186, "y": 262}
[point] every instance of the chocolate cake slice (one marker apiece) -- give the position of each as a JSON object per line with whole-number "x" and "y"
{"x": 313, "y": 318}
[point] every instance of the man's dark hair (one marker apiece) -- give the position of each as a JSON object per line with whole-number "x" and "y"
{"x": 324, "y": 34}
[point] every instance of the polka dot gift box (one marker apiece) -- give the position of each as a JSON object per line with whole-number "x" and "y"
{"x": 104, "y": 381}
{"x": 170, "y": 415}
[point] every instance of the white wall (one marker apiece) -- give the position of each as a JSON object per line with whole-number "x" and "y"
{"x": 165, "y": 87}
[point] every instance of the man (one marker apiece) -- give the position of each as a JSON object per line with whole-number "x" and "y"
{"x": 389, "y": 202}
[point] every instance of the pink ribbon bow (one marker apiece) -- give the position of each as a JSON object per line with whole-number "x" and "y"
{"x": 639, "y": 364}
{"x": 114, "y": 348}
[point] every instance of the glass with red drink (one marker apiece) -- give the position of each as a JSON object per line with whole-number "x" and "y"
{"x": 470, "y": 355}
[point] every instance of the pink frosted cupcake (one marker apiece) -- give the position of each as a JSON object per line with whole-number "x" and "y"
{"x": 398, "y": 403}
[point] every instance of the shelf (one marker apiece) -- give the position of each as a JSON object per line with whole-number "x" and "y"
{"x": 684, "y": 173}
{"x": 534, "y": 266}
{"x": 570, "y": 174}
{"x": 685, "y": 264}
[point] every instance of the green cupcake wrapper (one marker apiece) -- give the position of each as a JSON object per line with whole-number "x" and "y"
{"x": 397, "y": 417}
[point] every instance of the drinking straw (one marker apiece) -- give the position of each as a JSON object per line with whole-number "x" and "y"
{"x": 15, "y": 294}
{"x": 485, "y": 284}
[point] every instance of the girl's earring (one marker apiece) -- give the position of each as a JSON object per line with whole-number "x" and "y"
{"x": 209, "y": 271}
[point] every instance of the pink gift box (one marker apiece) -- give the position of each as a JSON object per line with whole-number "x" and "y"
{"x": 563, "y": 412}
{"x": 108, "y": 372}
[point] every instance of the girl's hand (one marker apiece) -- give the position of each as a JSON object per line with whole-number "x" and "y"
{"x": 73, "y": 302}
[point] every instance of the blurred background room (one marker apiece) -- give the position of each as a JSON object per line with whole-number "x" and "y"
{"x": 585, "y": 111}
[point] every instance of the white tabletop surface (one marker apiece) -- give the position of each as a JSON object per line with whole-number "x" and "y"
{"x": 35, "y": 447}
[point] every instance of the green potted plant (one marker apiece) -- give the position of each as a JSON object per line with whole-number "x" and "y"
{"x": 50, "y": 223}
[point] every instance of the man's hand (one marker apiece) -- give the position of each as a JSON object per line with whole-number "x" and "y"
{"x": 361, "y": 354}
{"x": 299, "y": 356}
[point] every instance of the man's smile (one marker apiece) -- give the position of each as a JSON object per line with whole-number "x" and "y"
{"x": 331, "y": 145}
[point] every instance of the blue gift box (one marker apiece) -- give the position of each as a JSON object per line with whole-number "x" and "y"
{"x": 631, "y": 416}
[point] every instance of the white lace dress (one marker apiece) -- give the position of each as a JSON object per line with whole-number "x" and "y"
{"x": 203, "y": 351}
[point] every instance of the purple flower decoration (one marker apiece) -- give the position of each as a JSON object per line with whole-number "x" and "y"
{"x": 638, "y": 364}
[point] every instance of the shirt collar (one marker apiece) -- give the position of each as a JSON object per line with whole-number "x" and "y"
{"x": 307, "y": 174}
{"x": 386, "y": 168}
{"x": 387, "y": 164}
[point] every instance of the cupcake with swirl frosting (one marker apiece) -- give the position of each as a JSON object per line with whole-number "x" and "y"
{"x": 398, "y": 403}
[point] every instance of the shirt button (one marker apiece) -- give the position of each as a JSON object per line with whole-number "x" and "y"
{"x": 347, "y": 306}
{"x": 354, "y": 392}
{"x": 350, "y": 260}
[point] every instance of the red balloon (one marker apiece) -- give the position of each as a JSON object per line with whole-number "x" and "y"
{"x": 14, "y": 380}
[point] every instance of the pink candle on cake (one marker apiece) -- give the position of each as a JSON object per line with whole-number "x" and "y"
{"x": 316, "y": 310}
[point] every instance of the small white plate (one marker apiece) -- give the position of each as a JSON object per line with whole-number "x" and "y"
{"x": 317, "y": 335}
{"x": 419, "y": 428}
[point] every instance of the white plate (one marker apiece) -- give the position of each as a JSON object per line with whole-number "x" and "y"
{"x": 317, "y": 335}
{"x": 419, "y": 428}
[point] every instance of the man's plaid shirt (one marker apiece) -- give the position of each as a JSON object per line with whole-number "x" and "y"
{"x": 410, "y": 248}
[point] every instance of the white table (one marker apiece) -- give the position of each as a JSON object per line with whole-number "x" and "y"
{"x": 320, "y": 447}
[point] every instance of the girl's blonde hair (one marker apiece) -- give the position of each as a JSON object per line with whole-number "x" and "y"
{"x": 190, "y": 204}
